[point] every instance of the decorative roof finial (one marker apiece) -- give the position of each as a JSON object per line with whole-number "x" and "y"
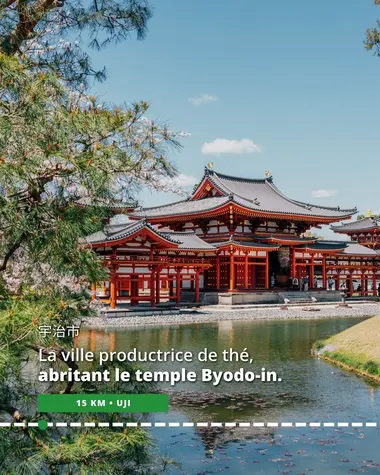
{"x": 369, "y": 213}
{"x": 267, "y": 173}
{"x": 210, "y": 165}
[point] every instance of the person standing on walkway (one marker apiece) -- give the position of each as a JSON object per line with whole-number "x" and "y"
{"x": 306, "y": 283}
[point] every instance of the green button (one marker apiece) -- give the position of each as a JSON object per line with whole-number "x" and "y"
{"x": 103, "y": 403}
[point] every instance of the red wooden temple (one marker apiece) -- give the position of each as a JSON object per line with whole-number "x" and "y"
{"x": 232, "y": 235}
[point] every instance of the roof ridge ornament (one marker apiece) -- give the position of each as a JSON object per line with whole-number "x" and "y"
{"x": 208, "y": 169}
{"x": 231, "y": 196}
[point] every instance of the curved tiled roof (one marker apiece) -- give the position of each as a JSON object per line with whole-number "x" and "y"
{"x": 183, "y": 207}
{"x": 364, "y": 224}
{"x": 263, "y": 195}
{"x": 259, "y": 195}
{"x": 188, "y": 240}
{"x": 324, "y": 246}
{"x": 260, "y": 245}
{"x": 115, "y": 232}
{"x": 343, "y": 248}
{"x": 356, "y": 249}
{"x": 294, "y": 239}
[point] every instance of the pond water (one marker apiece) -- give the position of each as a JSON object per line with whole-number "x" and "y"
{"x": 310, "y": 391}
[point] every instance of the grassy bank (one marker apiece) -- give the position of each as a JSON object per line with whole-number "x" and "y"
{"x": 356, "y": 349}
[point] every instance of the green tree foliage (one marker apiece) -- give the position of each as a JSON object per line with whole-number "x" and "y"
{"x": 373, "y": 36}
{"x": 51, "y": 33}
{"x": 64, "y": 158}
{"x": 59, "y": 147}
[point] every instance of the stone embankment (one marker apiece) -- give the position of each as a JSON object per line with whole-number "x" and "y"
{"x": 221, "y": 313}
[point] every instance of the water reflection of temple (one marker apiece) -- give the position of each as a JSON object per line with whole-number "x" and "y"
{"x": 215, "y": 437}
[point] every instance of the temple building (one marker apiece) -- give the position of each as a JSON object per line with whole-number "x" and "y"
{"x": 365, "y": 231}
{"x": 232, "y": 235}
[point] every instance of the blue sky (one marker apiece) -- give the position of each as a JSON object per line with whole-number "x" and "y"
{"x": 292, "y": 78}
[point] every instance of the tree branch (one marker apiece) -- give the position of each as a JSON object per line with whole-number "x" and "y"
{"x": 29, "y": 17}
{"x": 11, "y": 251}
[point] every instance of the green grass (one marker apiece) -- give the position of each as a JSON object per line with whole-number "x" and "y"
{"x": 358, "y": 347}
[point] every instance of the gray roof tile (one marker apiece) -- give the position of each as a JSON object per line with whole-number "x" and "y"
{"x": 183, "y": 207}
{"x": 254, "y": 194}
{"x": 364, "y": 224}
{"x": 115, "y": 232}
{"x": 189, "y": 241}
{"x": 263, "y": 195}
{"x": 358, "y": 250}
{"x": 260, "y": 245}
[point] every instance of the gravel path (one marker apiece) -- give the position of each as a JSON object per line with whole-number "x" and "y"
{"x": 216, "y": 314}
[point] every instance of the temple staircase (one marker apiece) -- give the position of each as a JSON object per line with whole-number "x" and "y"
{"x": 296, "y": 297}
{"x": 187, "y": 297}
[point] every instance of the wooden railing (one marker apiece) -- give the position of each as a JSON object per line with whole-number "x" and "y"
{"x": 157, "y": 260}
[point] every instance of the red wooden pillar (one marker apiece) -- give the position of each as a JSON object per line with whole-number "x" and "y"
{"x": 152, "y": 299}
{"x": 324, "y": 280}
{"x": 267, "y": 270}
{"x": 218, "y": 271}
{"x": 246, "y": 271}
{"x": 113, "y": 288}
{"x": 178, "y": 286}
{"x": 133, "y": 287}
{"x": 232, "y": 270}
{"x": 93, "y": 291}
{"x": 171, "y": 287}
{"x": 158, "y": 285}
{"x": 350, "y": 288}
{"x": 311, "y": 279}
{"x": 374, "y": 289}
{"x": 293, "y": 264}
{"x": 197, "y": 286}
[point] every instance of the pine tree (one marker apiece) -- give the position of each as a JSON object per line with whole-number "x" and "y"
{"x": 64, "y": 158}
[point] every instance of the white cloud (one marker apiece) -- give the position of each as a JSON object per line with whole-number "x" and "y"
{"x": 203, "y": 99}
{"x": 185, "y": 180}
{"x": 219, "y": 146}
{"x": 323, "y": 193}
